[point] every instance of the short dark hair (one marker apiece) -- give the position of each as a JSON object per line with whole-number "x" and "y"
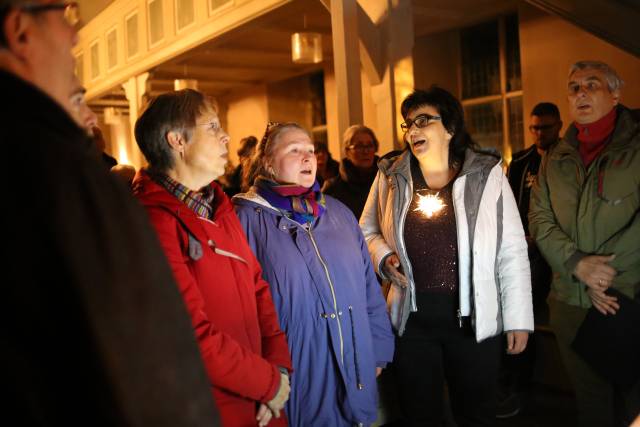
{"x": 450, "y": 109}
{"x": 169, "y": 112}
{"x": 546, "y": 109}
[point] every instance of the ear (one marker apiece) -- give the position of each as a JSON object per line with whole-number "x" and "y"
{"x": 448, "y": 135}
{"x": 616, "y": 97}
{"x": 17, "y": 28}
{"x": 176, "y": 141}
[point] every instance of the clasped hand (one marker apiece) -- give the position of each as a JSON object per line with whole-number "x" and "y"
{"x": 275, "y": 405}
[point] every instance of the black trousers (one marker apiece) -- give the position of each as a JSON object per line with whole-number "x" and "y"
{"x": 434, "y": 349}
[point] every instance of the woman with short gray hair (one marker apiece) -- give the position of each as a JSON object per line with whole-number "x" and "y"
{"x": 232, "y": 313}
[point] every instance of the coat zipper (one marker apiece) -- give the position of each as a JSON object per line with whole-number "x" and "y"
{"x": 333, "y": 295}
{"x": 405, "y": 255}
{"x": 355, "y": 349}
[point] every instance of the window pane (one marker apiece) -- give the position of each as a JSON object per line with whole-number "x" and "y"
{"x": 484, "y": 123}
{"x": 80, "y": 68}
{"x": 156, "y": 30}
{"x": 480, "y": 60}
{"x": 516, "y": 125}
{"x": 185, "y": 12}
{"x": 132, "y": 35}
{"x": 218, "y": 3}
{"x": 514, "y": 80}
{"x": 95, "y": 61}
{"x": 112, "y": 49}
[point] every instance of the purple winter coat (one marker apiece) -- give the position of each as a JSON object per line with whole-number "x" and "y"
{"x": 330, "y": 306}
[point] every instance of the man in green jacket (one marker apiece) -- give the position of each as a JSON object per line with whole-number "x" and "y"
{"x": 585, "y": 217}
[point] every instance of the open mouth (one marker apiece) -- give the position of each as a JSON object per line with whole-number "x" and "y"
{"x": 306, "y": 172}
{"x": 419, "y": 143}
{"x": 584, "y": 107}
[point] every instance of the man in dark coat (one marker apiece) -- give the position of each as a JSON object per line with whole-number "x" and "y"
{"x": 94, "y": 331}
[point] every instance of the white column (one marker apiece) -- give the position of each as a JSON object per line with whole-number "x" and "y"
{"x": 346, "y": 62}
{"x": 134, "y": 89}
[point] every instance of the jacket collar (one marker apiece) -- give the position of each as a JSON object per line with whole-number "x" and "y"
{"x": 627, "y": 127}
{"x": 351, "y": 175}
{"x": 151, "y": 194}
{"x": 252, "y": 197}
{"x": 30, "y": 104}
{"x": 474, "y": 161}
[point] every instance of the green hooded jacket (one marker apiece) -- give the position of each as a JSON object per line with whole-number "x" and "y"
{"x": 577, "y": 211}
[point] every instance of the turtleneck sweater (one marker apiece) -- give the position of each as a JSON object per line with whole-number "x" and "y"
{"x": 593, "y": 137}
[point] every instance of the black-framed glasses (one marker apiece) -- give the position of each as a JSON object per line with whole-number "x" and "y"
{"x": 70, "y": 9}
{"x": 362, "y": 148}
{"x": 541, "y": 128}
{"x": 420, "y": 121}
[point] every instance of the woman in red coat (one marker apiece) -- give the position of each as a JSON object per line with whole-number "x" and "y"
{"x": 232, "y": 313}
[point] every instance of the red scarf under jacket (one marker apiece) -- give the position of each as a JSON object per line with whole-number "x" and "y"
{"x": 593, "y": 137}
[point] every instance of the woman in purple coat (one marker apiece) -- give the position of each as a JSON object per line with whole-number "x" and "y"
{"x": 324, "y": 288}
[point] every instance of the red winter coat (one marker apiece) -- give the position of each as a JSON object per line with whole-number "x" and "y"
{"x": 231, "y": 309}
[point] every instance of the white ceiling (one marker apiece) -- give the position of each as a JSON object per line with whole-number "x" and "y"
{"x": 259, "y": 52}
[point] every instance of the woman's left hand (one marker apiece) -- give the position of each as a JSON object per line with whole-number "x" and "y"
{"x": 517, "y": 341}
{"x": 264, "y": 415}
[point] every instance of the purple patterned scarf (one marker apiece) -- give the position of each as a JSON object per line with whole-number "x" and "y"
{"x": 302, "y": 204}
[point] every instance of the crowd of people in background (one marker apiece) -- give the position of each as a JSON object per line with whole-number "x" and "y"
{"x": 281, "y": 296}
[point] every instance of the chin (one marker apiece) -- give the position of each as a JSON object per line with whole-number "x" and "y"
{"x": 307, "y": 183}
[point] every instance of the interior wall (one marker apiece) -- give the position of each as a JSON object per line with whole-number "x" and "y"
{"x": 548, "y": 47}
{"x": 246, "y": 114}
{"x": 288, "y": 101}
{"x": 436, "y": 61}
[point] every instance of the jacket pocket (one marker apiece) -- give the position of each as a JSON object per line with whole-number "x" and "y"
{"x": 618, "y": 182}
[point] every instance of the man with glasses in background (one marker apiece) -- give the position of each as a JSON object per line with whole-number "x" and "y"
{"x": 94, "y": 331}
{"x": 585, "y": 218}
{"x": 516, "y": 372}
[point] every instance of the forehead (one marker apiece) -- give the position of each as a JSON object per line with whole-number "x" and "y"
{"x": 293, "y": 136}
{"x": 546, "y": 119}
{"x": 362, "y": 136}
{"x": 207, "y": 115}
{"x": 585, "y": 75}
{"x": 423, "y": 109}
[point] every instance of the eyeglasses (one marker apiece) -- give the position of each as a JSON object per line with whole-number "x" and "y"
{"x": 70, "y": 8}
{"x": 420, "y": 121}
{"x": 362, "y": 148}
{"x": 541, "y": 128}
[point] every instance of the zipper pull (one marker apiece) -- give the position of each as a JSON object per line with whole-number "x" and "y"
{"x": 459, "y": 315}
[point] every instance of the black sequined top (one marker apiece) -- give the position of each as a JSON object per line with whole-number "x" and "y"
{"x": 432, "y": 243}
